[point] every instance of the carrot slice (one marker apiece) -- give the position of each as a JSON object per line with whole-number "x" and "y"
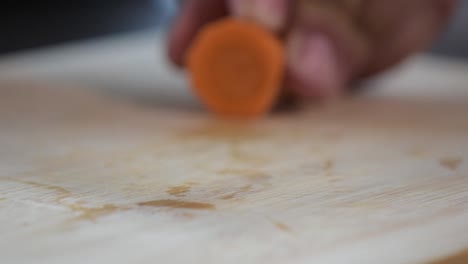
{"x": 236, "y": 68}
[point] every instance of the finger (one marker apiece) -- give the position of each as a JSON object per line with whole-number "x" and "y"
{"x": 412, "y": 33}
{"x": 447, "y": 8}
{"x": 324, "y": 50}
{"x": 379, "y": 18}
{"x": 194, "y": 14}
{"x": 269, "y": 13}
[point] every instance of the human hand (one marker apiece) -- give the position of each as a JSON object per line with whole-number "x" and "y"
{"x": 330, "y": 43}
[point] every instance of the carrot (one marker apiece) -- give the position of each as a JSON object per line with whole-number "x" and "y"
{"x": 236, "y": 68}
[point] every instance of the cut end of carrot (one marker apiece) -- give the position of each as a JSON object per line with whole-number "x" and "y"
{"x": 236, "y": 68}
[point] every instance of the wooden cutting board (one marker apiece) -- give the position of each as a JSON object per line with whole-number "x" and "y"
{"x": 88, "y": 178}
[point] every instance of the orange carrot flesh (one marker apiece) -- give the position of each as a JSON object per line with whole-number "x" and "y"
{"x": 236, "y": 68}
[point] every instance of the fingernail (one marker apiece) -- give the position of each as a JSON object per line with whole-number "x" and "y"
{"x": 269, "y": 13}
{"x": 241, "y": 8}
{"x": 315, "y": 66}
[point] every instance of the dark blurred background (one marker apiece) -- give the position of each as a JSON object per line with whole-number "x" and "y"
{"x": 32, "y": 24}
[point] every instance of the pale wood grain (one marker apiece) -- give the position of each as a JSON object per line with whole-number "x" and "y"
{"x": 89, "y": 177}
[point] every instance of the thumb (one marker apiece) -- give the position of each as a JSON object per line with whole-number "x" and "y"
{"x": 314, "y": 66}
